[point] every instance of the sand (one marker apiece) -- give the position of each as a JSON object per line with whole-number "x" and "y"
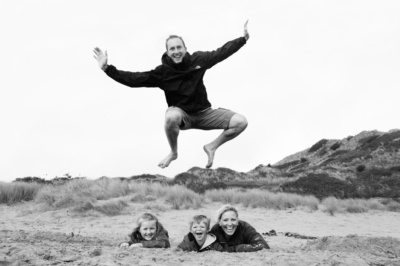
{"x": 31, "y": 235}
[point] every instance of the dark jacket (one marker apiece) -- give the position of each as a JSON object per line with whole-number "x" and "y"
{"x": 245, "y": 238}
{"x": 182, "y": 83}
{"x": 161, "y": 240}
{"x": 189, "y": 243}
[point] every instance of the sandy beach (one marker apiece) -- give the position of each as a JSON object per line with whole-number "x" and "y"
{"x": 32, "y": 235}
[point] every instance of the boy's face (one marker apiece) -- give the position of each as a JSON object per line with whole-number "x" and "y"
{"x": 199, "y": 231}
{"x": 148, "y": 229}
{"x": 176, "y": 50}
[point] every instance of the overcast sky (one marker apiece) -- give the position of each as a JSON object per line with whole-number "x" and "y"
{"x": 310, "y": 70}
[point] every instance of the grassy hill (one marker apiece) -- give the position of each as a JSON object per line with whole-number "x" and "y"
{"x": 362, "y": 166}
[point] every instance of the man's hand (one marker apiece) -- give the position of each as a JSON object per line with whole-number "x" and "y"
{"x": 101, "y": 58}
{"x": 246, "y": 33}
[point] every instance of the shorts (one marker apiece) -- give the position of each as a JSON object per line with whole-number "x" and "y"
{"x": 206, "y": 120}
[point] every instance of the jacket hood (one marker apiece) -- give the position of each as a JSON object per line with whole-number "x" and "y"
{"x": 166, "y": 60}
{"x": 209, "y": 240}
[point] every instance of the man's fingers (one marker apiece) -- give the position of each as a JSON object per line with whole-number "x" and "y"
{"x": 245, "y": 24}
{"x": 97, "y": 51}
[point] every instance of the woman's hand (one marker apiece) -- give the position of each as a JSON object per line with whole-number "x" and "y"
{"x": 137, "y": 245}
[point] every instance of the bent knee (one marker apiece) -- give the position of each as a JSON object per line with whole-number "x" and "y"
{"x": 238, "y": 121}
{"x": 173, "y": 117}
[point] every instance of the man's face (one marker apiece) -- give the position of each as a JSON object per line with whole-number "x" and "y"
{"x": 176, "y": 50}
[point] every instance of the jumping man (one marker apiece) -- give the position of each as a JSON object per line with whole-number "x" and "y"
{"x": 180, "y": 76}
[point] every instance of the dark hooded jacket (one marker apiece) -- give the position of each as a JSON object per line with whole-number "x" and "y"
{"x": 245, "y": 238}
{"x": 189, "y": 243}
{"x": 182, "y": 83}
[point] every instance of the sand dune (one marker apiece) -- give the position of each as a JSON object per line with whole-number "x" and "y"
{"x": 31, "y": 236}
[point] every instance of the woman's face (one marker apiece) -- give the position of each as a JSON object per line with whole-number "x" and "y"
{"x": 229, "y": 222}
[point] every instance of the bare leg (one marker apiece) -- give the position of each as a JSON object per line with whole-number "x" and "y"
{"x": 173, "y": 119}
{"x": 237, "y": 125}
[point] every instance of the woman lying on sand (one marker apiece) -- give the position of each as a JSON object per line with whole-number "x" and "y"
{"x": 199, "y": 239}
{"x": 148, "y": 233}
{"x": 236, "y": 235}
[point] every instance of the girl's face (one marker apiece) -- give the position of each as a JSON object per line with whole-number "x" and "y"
{"x": 199, "y": 231}
{"x": 229, "y": 222}
{"x": 148, "y": 229}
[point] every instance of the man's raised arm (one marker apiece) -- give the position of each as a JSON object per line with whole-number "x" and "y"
{"x": 101, "y": 58}
{"x": 246, "y": 33}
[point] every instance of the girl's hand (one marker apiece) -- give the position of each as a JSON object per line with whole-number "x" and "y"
{"x": 137, "y": 245}
{"x": 124, "y": 245}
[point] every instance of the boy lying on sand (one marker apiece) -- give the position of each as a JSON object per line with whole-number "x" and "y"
{"x": 198, "y": 239}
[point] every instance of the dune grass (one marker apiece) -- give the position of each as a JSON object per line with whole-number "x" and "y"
{"x": 108, "y": 208}
{"x": 262, "y": 198}
{"x": 333, "y": 205}
{"x": 84, "y": 195}
{"x": 183, "y": 198}
{"x": 11, "y": 193}
{"x": 113, "y": 196}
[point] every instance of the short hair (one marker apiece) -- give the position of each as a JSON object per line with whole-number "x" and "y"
{"x": 173, "y": 37}
{"x": 198, "y": 219}
{"x": 225, "y": 209}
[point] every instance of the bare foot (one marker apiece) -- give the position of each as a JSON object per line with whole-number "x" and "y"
{"x": 167, "y": 160}
{"x": 210, "y": 153}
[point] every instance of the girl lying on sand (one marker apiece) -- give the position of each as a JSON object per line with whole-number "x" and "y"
{"x": 198, "y": 239}
{"x": 148, "y": 232}
{"x": 236, "y": 235}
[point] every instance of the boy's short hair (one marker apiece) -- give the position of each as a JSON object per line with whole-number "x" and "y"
{"x": 198, "y": 219}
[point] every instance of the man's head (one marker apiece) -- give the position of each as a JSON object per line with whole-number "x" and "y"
{"x": 176, "y": 48}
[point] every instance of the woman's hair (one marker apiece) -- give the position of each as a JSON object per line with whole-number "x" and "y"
{"x": 198, "y": 219}
{"x": 224, "y": 209}
{"x": 144, "y": 218}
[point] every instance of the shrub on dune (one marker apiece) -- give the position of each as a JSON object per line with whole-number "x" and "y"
{"x": 181, "y": 197}
{"x": 18, "y": 191}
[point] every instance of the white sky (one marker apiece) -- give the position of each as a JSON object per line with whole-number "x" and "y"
{"x": 311, "y": 70}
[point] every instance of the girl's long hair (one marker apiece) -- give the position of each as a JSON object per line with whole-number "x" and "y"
{"x": 143, "y": 218}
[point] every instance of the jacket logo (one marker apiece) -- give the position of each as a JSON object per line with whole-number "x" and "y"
{"x": 197, "y": 67}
